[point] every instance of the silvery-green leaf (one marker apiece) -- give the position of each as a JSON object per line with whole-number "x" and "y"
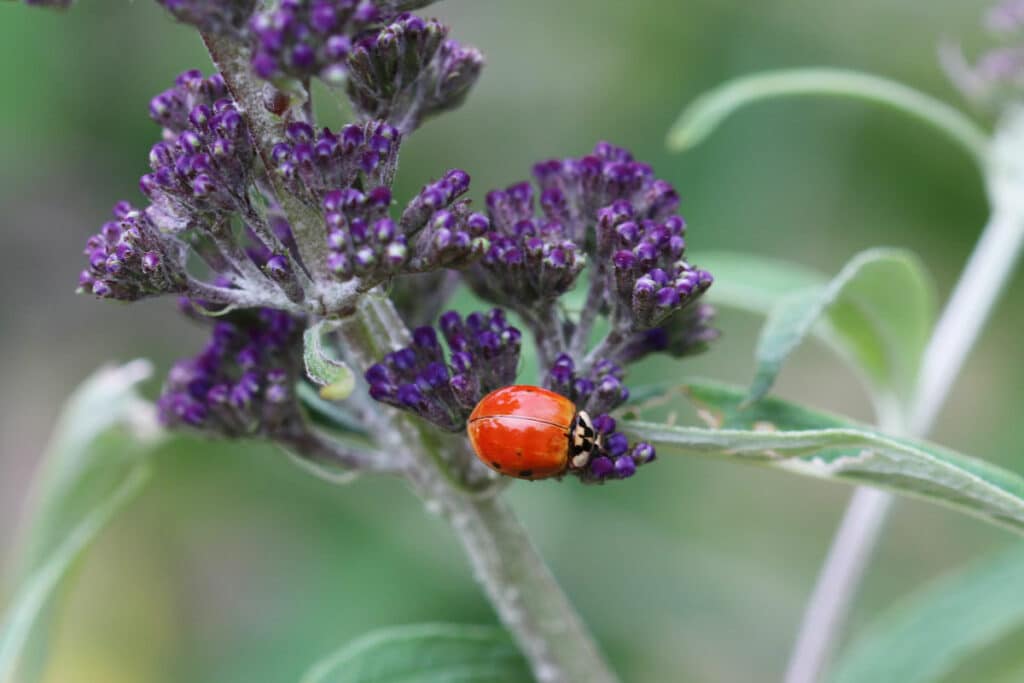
{"x": 782, "y": 435}
{"x": 879, "y": 309}
{"x": 96, "y": 462}
{"x": 701, "y": 118}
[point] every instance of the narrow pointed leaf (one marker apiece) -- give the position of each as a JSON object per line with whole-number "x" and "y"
{"x": 425, "y": 653}
{"x": 96, "y": 462}
{"x": 879, "y": 310}
{"x": 700, "y": 119}
{"x": 779, "y": 434}
{"x": 29, "y": 605}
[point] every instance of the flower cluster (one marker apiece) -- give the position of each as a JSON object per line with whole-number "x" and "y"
{"x": 314, "y": 163}
{"x": 997, "y": 76}
{"x": 483, "y": 356}
{"x": 599, "y": 392}
{"x": 531, "y": 261}
{"x": 172, "y": 107}
{"x": 436, "y": 230}
{"x": 129, "y": 258}
{"x": 305, "y": 38}
{"x": 205, "y": 172}
{"x": 409, "y": 71}
{"x": 243, "y": 382}
{"x": 647, "y": 278}
{"x": 226, "y": 189}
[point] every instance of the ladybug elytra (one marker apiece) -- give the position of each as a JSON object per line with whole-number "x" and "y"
{"x": 531, "y": 433}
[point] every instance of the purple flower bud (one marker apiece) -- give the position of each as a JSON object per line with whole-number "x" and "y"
{"x": 601, "y": 467}
{"x": 316, "y": 164}
{"x": 443, "y": 393}
{"x": 625, "y": 468}
{"x": 408, "y": 72}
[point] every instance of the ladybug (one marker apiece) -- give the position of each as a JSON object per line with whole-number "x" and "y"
{"x": 531, "y": 433}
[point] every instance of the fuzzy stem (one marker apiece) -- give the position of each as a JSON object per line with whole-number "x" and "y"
{"x": 526, "y": 597}
{"x": 975, "y": 295}
{"x": 522, "y": 590}
{"x": 320, "y": 449}
{"x": 232, "y": 60}
{"x": 591, "y": 307}
{"x": 240, "y": 298}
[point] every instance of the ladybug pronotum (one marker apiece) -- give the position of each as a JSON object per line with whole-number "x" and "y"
{"x": 531, "y": 433}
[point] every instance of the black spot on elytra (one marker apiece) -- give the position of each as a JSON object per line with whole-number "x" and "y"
{"x": 525, "y": 473}
{"x": 496, "y": 464}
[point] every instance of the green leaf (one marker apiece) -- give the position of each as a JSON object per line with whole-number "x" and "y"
{"x": 334, "y": 377}
{"x": 29, "y": 604}
{"x": 706, "y": 114}
{"x": 89, "y": 455}
{"x": 425, "y": 653}
{"x": 880, "y": 310}
{"x": 95, "y": 463}
{"x": 926, "y": 635}
{"x": 782, "y": 435}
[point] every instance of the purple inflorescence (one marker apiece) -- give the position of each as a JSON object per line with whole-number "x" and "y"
{"x": 997, "y": 76}
{"x": 243, "y": 381}
{"x": 205, "y": 172}
{"x": 220, "y": 17}
{"x": 648, "y": 278}
{"x": 129, "y": 258}
{"x": 409, "y": 71}
{"x": 1006, "y": 17}
{"x": 531, "y": 260}
{"x": 573, "y": 191}
{"x": 599, "y": 390}
{"x": 616, "y": 458}
{"x": 436, "y": 230}
{"x": 483, "y": 356}
{"x": 314, "y": 163}
{"x": 306, "y": 38}
{"x": 685, "y": 334}
{"x": 608, "y": 206}
{"x": 172, "y": 107}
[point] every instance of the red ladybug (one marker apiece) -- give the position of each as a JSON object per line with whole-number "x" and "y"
{"x": 531, "y": 433}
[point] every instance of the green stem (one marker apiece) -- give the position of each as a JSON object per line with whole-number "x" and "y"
{"x": 707, "y": 112}
{"x": 969, "y": 307}
{"x": 232, "y": 60}
{"x": 515, "y": 578}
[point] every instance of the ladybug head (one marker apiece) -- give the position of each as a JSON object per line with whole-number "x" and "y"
{"x": 584, "y": 440}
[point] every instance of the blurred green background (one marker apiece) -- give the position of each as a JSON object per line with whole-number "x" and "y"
{"x": 236, "y": 566}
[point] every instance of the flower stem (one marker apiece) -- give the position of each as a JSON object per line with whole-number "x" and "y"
{"x": 526, "y": 597}
{"x": 232, "y": 60}
{"x": 974, "y": 297}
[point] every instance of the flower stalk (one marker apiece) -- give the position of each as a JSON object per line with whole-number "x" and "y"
{"x": 522, "y": 590}
{"x": 975, "y": 295}
{"x": 526, "y": 597}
